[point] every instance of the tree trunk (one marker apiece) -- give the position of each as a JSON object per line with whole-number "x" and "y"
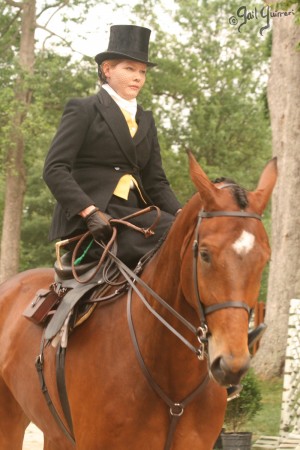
{"x": 15, "y": 167}
{"x": 284, "y": 277}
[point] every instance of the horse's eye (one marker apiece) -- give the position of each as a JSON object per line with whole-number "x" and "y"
{"x": 205, "y": 256}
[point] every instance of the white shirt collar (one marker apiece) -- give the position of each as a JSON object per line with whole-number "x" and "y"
{"x": 129, "y": 105}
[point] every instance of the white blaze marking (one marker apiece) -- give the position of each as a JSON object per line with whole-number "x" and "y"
{"x": 244, "y": 243}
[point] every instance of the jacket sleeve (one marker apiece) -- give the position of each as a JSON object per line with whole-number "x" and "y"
{"x": 61, "y": 156}
{"x": 154, "y": 178}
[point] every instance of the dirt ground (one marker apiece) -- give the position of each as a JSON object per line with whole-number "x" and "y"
{"x": 33, "y": 438}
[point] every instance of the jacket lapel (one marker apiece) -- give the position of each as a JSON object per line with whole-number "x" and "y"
{"x": 117, "y": 123}
{"x": 143, "y": 119}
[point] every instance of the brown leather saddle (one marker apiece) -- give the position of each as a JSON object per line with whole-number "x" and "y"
{"x": 51, "y": 306}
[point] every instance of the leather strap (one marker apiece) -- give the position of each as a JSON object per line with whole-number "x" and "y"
{"x": 176, "y": 408}
{"x": 61, "y": 385}
{"x": 39, "y": 364}
{"x": 131, "y": 277}
{"x": 111, "y": 246}
{"x": 218, "y": 306}
{"x": 209, "y": 215}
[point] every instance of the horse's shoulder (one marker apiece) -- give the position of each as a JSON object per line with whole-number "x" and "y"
{"x": 38, "y": 276}
{"x": 44, "y": 271}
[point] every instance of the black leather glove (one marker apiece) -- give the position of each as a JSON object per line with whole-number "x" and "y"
{"x": 98, "y": 224}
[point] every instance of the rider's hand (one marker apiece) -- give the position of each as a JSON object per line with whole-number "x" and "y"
{"x": 98, "y": 224}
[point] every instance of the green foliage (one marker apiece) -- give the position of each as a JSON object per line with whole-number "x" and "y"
{"x": 61, "y": 79}
{"x": 267, "y": 421}
{"x": 285, "y": 5}
{"x": 246, "y": 406}
{"x": 9, "y": 23}
{"x": 55, "y": 79}
{"x": 9, "y": 34}
{"x": 210, "y": 94}
{"x": 291, "y": 5}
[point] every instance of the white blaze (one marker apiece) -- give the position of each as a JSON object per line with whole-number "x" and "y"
{"x": 244, "y": 243}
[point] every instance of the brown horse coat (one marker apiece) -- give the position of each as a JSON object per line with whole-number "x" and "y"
{"x": 112, "y": 404}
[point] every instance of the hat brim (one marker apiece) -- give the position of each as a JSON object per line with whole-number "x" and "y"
{"x": 115, "y": 55}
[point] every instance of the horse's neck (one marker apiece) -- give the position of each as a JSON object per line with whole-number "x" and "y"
{"x": 163, "y": 272}
{"x": 163, "y": 351}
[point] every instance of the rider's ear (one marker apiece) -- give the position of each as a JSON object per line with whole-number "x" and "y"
{"x": 262, "y": 194}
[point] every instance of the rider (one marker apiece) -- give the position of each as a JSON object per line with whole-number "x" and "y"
{"x": 105, "y": 161}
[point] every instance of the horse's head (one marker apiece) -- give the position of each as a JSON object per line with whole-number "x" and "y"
{"x": 231, "y": 249}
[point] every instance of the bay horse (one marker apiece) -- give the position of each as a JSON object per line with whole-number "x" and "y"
{"x": 126, "y": 394}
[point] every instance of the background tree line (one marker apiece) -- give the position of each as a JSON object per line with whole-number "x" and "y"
{"x": 208, "y": 94}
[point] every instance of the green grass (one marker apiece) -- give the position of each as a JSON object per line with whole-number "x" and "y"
{"x": 267, "y": 421}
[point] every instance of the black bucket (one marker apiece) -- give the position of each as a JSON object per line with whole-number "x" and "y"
{"x": 236, "y": 441}
{"x": 218, "y": 443}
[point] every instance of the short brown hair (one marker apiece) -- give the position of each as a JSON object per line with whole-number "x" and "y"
{"x": 112, "y": 62}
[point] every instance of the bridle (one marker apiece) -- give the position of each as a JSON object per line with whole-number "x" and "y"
{"x": 206, "y": 310}
{"x": 201, "y": 331}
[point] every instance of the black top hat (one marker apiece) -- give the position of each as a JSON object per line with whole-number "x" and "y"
{"x": 127, "y": 42}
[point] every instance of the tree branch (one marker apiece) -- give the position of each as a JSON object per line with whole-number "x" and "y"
{"x": 59, "y": 5}
{"x": 52, "y": 34}
{"x": 14, "y": 18}
{"x": 19, "y": 5}
{"x": 53, "y": 14}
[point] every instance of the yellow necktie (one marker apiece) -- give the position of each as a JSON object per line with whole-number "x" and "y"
{"x": 123, "y": 187}
{"x": 126, "y": 182}
{"x": 132, "y": 125}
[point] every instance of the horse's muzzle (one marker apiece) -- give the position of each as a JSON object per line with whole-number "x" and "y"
{"x": 227, "y": 370}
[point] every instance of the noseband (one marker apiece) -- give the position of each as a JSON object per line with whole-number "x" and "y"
{"x": 205, "y": 310}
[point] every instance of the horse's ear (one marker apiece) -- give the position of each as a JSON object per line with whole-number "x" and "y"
{"x": 207, "y": 190}
{"x": 265, "y": 186}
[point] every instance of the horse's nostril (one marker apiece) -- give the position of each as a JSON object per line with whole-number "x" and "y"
{"x": 229, "y": 370}
{"x": 235, "y": 367}
{"x": 216, "y": 370}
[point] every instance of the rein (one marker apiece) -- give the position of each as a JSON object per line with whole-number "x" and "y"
{"x": 106, "y": 248}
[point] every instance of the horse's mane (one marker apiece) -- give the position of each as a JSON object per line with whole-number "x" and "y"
{"x": 238, "y": 192}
